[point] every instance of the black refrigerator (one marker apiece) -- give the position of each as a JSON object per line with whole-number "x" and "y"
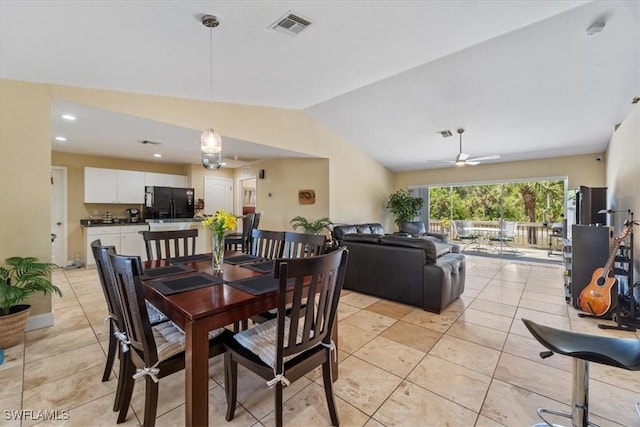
{"x": 168, "y": 202}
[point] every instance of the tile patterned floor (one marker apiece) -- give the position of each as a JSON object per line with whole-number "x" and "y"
{"x": 473, "y": 365}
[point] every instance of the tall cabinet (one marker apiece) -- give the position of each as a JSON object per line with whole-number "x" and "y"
{"x": 590, "y": 248}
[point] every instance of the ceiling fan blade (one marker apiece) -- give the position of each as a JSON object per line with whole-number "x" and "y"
{"x": 441, "y": 161}
{"x": 472, "y": 162}
{"x": 479, "y": 159}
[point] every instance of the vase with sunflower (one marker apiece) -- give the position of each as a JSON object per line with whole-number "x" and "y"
{"x": 219, "y": 224}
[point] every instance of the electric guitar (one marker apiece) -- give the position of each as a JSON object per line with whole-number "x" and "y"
{"x": 598, "y": 296}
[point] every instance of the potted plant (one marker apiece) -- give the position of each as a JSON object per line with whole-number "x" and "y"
{"x": 404, "y": 206}
{"x": 311, "y": 227}
{"x": 20, "y": 278}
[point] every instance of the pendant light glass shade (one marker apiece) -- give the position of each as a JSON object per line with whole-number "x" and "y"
{"x": 211, "y": 148}
{"x": 210, "y": 140}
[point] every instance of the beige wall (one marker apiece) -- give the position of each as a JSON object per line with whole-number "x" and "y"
{"x": 581, "y": 170}
{"x": 623, "y": 177}
{"x": 277, "y": 193}
{"x": 25, "y": 172}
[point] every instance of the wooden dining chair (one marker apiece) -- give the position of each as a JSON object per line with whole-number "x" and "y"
{"x": 286, "y": 348}
{"x": 300, "y": 245}
{"x": 153, "y": 351}
{"x": 267, "y": 244}
{"x": 167, "y": 244}
{"x": 242, "y": 240}
{"x": 116, "y": 327}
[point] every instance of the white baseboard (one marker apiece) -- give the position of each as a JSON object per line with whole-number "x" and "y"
{"x": 38, "y": 321}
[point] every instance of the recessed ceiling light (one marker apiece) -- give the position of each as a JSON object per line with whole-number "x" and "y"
{"x": 68, "y": 117}
{"x": 157, "y": 155}
{"x": 60, "y": 138}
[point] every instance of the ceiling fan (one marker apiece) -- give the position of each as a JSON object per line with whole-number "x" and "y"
{"x": 463, "y": 158}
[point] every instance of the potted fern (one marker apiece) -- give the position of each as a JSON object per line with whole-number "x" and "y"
{"x": 311, "y": 227}
{"x": 20, "y": 278}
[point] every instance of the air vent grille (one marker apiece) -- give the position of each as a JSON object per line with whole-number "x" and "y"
{"x": 290, "y": 23}
{"x": 445, "y": 133}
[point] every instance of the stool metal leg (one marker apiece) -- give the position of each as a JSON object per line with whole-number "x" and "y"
{"x": 579, "y": 399}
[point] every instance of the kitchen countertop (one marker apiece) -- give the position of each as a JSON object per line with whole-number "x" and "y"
{"x": 98, "y": 223}
{"x": 165, "y": 220}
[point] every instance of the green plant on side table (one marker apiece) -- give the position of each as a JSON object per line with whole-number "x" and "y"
{"x": 311, "y": 227}
{"x": 20, "y": 278}
{"x": 404, "y": 206}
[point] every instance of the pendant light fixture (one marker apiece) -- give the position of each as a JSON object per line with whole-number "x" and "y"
{"x": 211, "y": 140}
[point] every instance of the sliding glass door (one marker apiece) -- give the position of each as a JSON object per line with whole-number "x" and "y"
{"x": 505, "y": 216}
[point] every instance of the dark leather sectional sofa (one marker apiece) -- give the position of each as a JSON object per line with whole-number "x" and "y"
{"x": 422, "y": 272}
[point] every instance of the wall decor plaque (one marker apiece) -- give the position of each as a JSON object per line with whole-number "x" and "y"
{"x": 306, "y": 197}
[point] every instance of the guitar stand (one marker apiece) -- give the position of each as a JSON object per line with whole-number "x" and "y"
{"x": 621, "y": 323}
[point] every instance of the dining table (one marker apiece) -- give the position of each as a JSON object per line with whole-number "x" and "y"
{"x": 202, "y": 309}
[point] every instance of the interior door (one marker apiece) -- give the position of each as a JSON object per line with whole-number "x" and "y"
{"x": 218, "y": 194}
{"x": 59, "y": 215}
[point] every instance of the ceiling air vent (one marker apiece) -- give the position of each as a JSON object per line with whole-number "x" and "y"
{"x": 290, "y": 24}
{"x": 445, "y": 133}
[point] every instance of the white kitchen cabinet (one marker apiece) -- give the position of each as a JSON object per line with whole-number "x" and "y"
{"x": 126, "y": 239}
{"x": 113, "y": 186}
{"x": 164, "y": 180}
{"x": 131, "y": 241}
{"x": 100, "y": 185}
{"x": 179, "y": 181}
{"x": 130, "y": 187}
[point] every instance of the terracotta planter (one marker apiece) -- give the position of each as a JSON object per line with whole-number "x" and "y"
{"x": 13, "y": 325}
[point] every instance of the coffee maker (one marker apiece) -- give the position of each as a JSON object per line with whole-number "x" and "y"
{"x": 133, "y": 215}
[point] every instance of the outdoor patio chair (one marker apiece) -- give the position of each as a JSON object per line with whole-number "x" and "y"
{"x": 462, "y": 235}
{"x": 506, "y": 235}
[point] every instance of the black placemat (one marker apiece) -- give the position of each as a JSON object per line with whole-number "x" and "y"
{"x": 196, "y": 281}
{"x": 190, "y": 258}
{"x": 152, "y": 273}
{"x": 256, "y": 285}
{"x": 261, "y": 267}
{"x": 241, "y": 259}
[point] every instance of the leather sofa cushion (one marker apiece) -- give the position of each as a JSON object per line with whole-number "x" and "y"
{"x": 426, "y": 245}
{"x": 367, "y": 238}
{"x": 339, "y": 231}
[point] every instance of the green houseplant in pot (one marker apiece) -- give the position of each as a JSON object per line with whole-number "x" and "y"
{"x": 404, "y": 206}
{"x": 311, "y": 227}
{"x": 20, "y": 278}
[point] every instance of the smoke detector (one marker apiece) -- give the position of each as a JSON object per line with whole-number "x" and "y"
{"x": 290, "y": 23}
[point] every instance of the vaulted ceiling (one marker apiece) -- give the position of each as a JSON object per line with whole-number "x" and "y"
{"x": 522, "y": 78}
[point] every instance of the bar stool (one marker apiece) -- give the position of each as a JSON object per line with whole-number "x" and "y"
{"x": 618, "y": 352}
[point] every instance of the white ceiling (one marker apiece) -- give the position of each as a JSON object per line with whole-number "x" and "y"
{"x": 521, "y": 77}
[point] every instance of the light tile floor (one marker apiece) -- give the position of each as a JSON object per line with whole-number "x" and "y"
{"x": 473, "y": 365}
